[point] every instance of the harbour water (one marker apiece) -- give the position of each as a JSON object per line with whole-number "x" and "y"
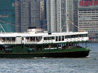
{"x": 52, "y": 65}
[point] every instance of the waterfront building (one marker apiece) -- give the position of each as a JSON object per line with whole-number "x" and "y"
{"x": 43, "y": 14}
{"x": 51, "y": 25}
{"x": 88, "y": 18}
{"x": 61, "y": 13}
{"x": 75, "y": 15}
{"x": 7, "y": 15}
{"x": 27, "y": 14}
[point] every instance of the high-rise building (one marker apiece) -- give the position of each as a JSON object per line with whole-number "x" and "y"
{"x": 51, "y": 20}
{"x": 43, "y": 14}
{"x": 71, "y": 12}
{"x": 61, "y": 13}
{"x": 88, "y": 17}
{"x": 7, "y": 15}
{"x": 35, "y": 13}
{"x": 27, "y": 14}
{"x": 75, "y": 15}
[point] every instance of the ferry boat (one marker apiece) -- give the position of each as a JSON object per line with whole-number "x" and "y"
{"x": 37, "y": 43}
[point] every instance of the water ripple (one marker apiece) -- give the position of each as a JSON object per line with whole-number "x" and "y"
{"x": 52, "y": 65}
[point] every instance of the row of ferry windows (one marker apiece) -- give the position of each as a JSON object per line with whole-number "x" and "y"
{"x": 29, "y": 39}
{"x": 7, "y": 39}
{"x": 76, "y": 36}
{"x": 58, "y": 38}
{"x": 61, "y": 38}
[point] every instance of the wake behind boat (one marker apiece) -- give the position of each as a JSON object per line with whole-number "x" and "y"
{"x": 37, "y": 43}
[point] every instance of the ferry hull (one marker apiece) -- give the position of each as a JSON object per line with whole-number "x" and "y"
{"x": 55, "y": 55}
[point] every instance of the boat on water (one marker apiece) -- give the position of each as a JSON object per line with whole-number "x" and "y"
{"x": 37, "y": 43}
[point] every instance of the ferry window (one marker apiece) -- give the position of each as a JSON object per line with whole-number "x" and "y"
{"x": 62, "y": 38}
{"x": 45, "y": 38}
{"x": 48, "y": 38}
{"x": 0, "y": 38}
{"x": 27, "y": 38}
{"x": 75, "y": 36}
{"x": 33, "y": 39}
{"x": 85, "y": 35}
{"x": 80, "y": 35}
{"x": 30, "y": 38}
{"x": 3, "y": 39}
{"x": 67, "y": 36}
{"x": 52, "y": 38}
{"x": 72, "y": 36}
{"x": 56, "y": 38}
{"x": 38, "y": 38}
{"x": 59, "y": 38}
{"x": 9, "y": 38}
{"x": 22, "y": 38}
{"x": 13, "y": 38}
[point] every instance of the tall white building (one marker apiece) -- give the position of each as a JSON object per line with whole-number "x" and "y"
{"x": 59, "y": 15}
{"x": 51, "y": 15}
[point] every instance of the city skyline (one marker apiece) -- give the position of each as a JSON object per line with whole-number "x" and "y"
{"x": 50, "y": 15}
{"x": 30, "y": 13}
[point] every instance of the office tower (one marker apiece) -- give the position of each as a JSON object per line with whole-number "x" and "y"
{"x": 51, "y": 25}
{"x": 27, "y": 14}
{"x": 54, "y": 11}
{"x": 35, "y": 13}
{"x": 60, "y": 13}
{"x": 43, "y": 14}
{"x": 88, "y": 17}
{"x": 75, "y": 15}
{"x": 7, "y": 15}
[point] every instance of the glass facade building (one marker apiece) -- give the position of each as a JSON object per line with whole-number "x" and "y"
{"x": 27, "y": 14}
{"x": 61, "y": 13}
{"x": 7, "y": 15}
{"x": 88, "y": 18}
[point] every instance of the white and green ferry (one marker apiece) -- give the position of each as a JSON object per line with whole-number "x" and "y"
{"x": 37, "y": 43}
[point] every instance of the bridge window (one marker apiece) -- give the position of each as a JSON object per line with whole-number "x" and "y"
{"x": 85, "y": 35}
{"x": 48, "y": 38}
{"x": 68, "y": 36}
